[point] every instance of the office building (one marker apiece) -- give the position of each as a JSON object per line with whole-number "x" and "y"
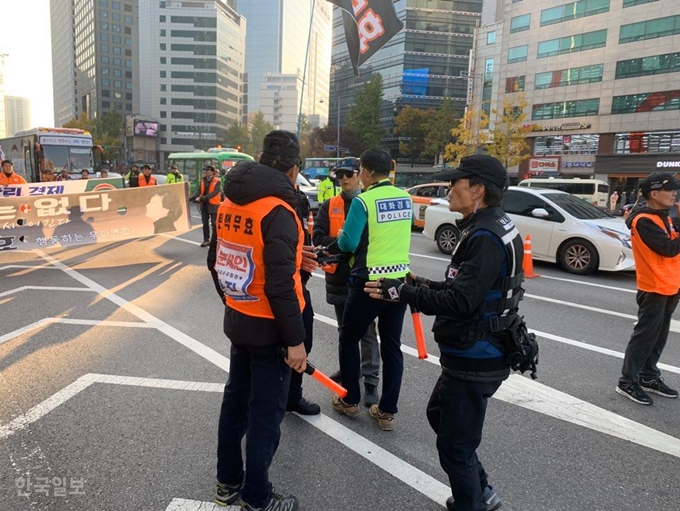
{"x": 192, "y": 67}
{"x": 279, "y": 96}
{"x": 277, "y": 42}
{"x": 421, "y": 66}
{"x": 93, "y": 57}
{"x": 17, "y": 114}
{"x": 602, "y": 78}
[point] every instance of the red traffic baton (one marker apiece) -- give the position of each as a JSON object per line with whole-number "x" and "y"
{"x": 320, "y": 377}
{"x": 420, "y": 335}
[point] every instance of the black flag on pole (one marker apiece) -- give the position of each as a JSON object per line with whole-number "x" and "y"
{"x": 368, "y": 24}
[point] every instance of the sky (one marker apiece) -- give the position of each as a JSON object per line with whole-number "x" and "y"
{"x": 25, "y": 36}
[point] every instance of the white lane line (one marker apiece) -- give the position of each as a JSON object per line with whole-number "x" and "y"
{"x": 43, "y": 408}
{"x": 540, "y": 398}
{"x": 197, "y": 505}
{"x": 583, "y": 283}
{"x": 71, "y": 321}
{"x": 27, "y": 266}
{"x": 430, "y": 257}
{"x": 43, "y": 288}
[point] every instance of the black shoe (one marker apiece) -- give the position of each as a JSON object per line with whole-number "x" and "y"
{"x": 370, "y": 395}
{"x": 634, "y": 392}
{"x": 304, "y": 407}
{"x": 657, "y": 386}
{"x": 278, "y": 503}
{"x": 491, "y": 500}
{"x": 226, "y": 494}
{"x": 205, "y": 244}
{"x": 336, "y": 377}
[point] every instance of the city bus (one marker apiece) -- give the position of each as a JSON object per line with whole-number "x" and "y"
{"x": 36, "y": 150}
{"x": 192, "y": 164}
{"x": 594, "y": 191}
{"x": 319, "y": 168}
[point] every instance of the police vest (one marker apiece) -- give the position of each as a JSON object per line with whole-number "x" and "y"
{"x": 172, "y": 178}
{"x": 655, "y": 273}
{"x": 389, "y": 212}
{"x": 494, "y": 314}
{"x": 326, "y": 190}
{"x": 336, "y": 217}
{"x": 240, "y": 256}
{"x": 143, "y": 180}
{"x": 217, "y": 198}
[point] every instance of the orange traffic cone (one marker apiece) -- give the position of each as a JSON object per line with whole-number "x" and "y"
{"x": 528, "y": 261}
{"x": 310, "y": 223}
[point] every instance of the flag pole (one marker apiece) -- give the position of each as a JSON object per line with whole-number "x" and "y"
{"x": 304, "y": 71}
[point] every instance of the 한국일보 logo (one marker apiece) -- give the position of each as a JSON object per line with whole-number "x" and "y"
{"x": 391, "y": 210}
{"x": 235, "y": 270}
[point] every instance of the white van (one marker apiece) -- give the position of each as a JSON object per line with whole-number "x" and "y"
{"x": 594, "y": 191}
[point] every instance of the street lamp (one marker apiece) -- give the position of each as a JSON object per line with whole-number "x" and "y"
{"x": 337, "y": 142}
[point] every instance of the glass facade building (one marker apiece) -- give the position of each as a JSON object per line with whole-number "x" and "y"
{"x": 424, "y": 64}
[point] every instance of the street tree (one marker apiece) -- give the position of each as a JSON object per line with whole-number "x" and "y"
{"x": 508, "y": 141}
{"x": 258, "y": 130}
{"x": 470, "y": 135}
{"x": 439, "y": 129}
{"x": 83, "y": 122}
{"x": 238, "y": 135}
{"x": 364, "y": 114}
{"x": 304, "y": 137}
{"x": 412, "y": 124}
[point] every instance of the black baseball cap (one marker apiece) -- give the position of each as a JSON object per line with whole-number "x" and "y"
{"x": 659, "y": 181}
{"x": 348, "y": 164}
{"x": 281, "y": 143}
{"x": 209, "y": 167}
{"x": 480, "y": 165}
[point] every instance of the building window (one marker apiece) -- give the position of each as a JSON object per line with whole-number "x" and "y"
{"x": 117, "y": 62}
{"x": 128, "y": 31}
{"x": 572, "y": 44}
{"x": 162, "y": 46}
{"x": 646, "y": 102}
{"x": 573, "y": 10}
{"x": 164, "y": 87}
{"x": 118, "y": 84}
{"x": 128, "y": 85}
{"x": 103, "y": 3}
{"x": 104, "y": 48}
{"x": 518, "y": 54}
{"x": 128, "y": 107}
{"x": 164, "y": 114}
{"x": 650, "y": 29}
{"x": 654, "y": 65}
{"x": 632, "y": 3}
{"x": 116, "y": 50}
{"x": 487, "y": 86}
{"x": 573, "y": 76}
{"x": 117, "y": 95}
{"x": 128, "y": 41}
{"x": 103, "y": 25}
{"x": 106, "y": 105}
{"x": 106, "y": 82}
{"x": 103, "y": 14}
{"x": 105, "y": 71}
{"x": 115, "y": 16}
{"x": 104, "y": 37}
{"x": 116, "y": 27}
{"x": 127, "y": 7}
{"x": 566, "y": 144}
{"x": 514, "y": 84}
{"x": 116, "y": 39}
{"x": 128, "y": 64}
{"x": 105, "y": 59}
{"x": 128, "y": 74}
{"x": 106, "y": 93}
{"x": 657, "y": 142}
{"x": 115, "y": 5}
{"x": 128, "y": 19}
{"x": 128, "y": 96}
{"x": 117, "y": 72}
{"x": 491, "y": 37}
{"x": 520, "y": 23}
{"x": 163, "y": 32}
{"x": 162, "y": 19}
{"x": 164, "y": 101}
{"x": 163, "y": 60}
{"x": 562, "y": 109}
{"x": 164, "y": 74}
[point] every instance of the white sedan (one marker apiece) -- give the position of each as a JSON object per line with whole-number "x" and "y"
{"x": 564, "y": 229}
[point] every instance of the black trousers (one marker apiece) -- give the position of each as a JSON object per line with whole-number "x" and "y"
{"x": 456, "y": 412}
{"x": 649, "y": 336}
{"x": 208, "y": 218}
{"x": 295, "y": 393}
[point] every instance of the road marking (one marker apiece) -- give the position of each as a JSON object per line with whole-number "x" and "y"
{"x": 71, "y": 321}
{"x": 430, "y": 257}
{"x": 583, "y": 283}
{"x": 27, "y": 266}
{"x": 44, "y": 288}
{"x": 197, "y": 505}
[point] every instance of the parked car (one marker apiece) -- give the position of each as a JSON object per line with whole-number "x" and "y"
{"x": 564, "y": 229}
{"x": 422, "y": 196}
{"x": 310, "y": 191}
{"x": 440, "y": 225}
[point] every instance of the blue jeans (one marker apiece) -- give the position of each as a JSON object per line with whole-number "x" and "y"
{"x": 360, "y": 311}
{"x": 254, "y": 404}
{"x": 208, "y": 219}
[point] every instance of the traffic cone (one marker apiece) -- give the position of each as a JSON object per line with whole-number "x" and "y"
{"x": 528, "y": 261}
{"x": 310, "y": 223}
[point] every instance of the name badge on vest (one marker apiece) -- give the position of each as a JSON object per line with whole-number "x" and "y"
{"x": 235, "y": 269}
{"x": 392, "y": 210}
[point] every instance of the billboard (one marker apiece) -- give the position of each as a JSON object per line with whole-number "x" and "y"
{"x": 146, "y": 129}
{"x": 70, "y": 220}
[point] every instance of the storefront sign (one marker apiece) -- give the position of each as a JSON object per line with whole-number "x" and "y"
{"x": 666, "y": 164}
{"x": 561, "y": 127}
{"x": 544, "y": 164}
{"x": 577, "y": 164}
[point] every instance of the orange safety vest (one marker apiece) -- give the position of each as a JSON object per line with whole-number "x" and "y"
{"x": 13, "y": 179}
{"x": 213, "y": 200}
{"x": 336, "y": 217}
{"x": 142, "y": 180}
{"x": 240, "y": 256}
{"x": 655, "y": 273}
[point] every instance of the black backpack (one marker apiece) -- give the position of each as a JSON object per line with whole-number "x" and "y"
{"x": 522, "y": 348}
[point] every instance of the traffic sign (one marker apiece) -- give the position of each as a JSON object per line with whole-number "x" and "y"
{"x": 329, "y": 148}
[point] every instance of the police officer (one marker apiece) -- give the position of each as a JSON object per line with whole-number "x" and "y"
{"x": 209, "y": 196}
{"x": 327, "y": 187}
{"x": 656, "y": 248}
{"x": 255, "y": 259}
{"x": 174, "y": 176}
{"x": 377, "y": 233}
{"x": 475, "y": 308}
{"x": 327, "y": 226}
{"x": 132, "y": 177}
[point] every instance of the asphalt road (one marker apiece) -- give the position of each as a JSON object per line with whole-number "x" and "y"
{"x": 112, "y": 361}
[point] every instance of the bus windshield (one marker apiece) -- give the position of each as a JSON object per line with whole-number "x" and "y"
{"x": 73, "y": 159}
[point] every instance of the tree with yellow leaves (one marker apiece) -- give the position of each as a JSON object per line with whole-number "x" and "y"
{"x": 509, "y": 134}
{"x": 470, "y": 134}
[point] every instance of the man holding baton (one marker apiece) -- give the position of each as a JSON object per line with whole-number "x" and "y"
{"x": 476, "y": 308}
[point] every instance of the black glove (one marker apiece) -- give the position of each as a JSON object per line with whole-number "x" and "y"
{"x": 390, "y": 289}
{"x": 418, "y": 281}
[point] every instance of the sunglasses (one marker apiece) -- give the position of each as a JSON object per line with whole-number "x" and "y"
{"x": 344, "y": 173}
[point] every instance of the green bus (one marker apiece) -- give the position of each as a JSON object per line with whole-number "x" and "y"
{"x": 192, "y": 164}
